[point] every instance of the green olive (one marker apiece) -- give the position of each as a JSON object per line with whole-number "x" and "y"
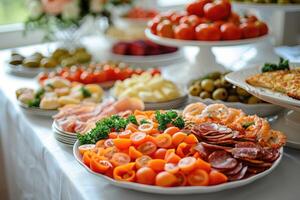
{"x": 232, "y": 90}
{"x": 225, "y": 83}
{"x": 242, "y": 92}
{"x": 31, "y": 62}
{"x": 67, "y": 62}
{"x": 58, "y": 53}
{"x": 195, "y": 90}
{"x": 233, "y": 98}
{"x": 220, "y": 94}
{"x": 16, "y": 60}
{"x": 82, "y": 57}
{"x": 253, "y": 100}
{"x": 205, "y": 95}
{"x": 48, "y": 63}
{"x": 218, "y": 83}
{"x": 37, "y": 56}
{"x": 214, "y": 75}
{"x": 207, "y": 85}
{"x": 80, "y": 50}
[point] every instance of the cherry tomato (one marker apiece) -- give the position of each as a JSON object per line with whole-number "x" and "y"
{"x": 145, "y": 175}
{"x": 109, "y": 143}
{"x": 42, "y": 76}
{"x": 187, "y": 164}
{"x": 142, "y": 161}
{"x": 124, "y": 172}
{"x": 249, "y": 30}
{"x": 160, "y": 153}
{"x": 100, "y": 164}
{"x": 154, "y": 71}
{"x": 181, "y": 179}
{"x": 87, "y": 78}
{"x": 230, "y": 31}
{"x": 196, "y": 7}
{"x": 147, "y": 148}
{"x": 263, "y": 28}
{"x": 110, "y": 73}
{"x": 138, "y": 138}
{"x": 152, "y": 25}
{"x": 120, "y": 159}
{"x": 171, "y": 167}
{"x": 125, "y": 134}
{"x": 217, "y": 11}
{"x": 198, "y": 177}
{"x": 184, "y": 32}
{"x": 175, "y": 19}
{"x": 165, "y": 29}
{"x": 163, "y": 140}
{"x": 165, "y": 179}
{"x": 192, "y": 20}
{"x": 86, "y": 147}
{"x": 250, "y": 18}
{"x": 208, "y": 32}
{"x": 100, "y": 76}
{"x": 234, "y": 18}
{"x": 147, "y": 128}
{"x": 172, "y": 130}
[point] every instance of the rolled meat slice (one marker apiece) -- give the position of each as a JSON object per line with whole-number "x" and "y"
{"x": 222, "y": 160}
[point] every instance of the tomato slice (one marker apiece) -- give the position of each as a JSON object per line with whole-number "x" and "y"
{"x": 100, "y": 164}
{"x": 171, "y": 167}
{"x": 187, "y": 164}
{"x": 142, "y": 161}
{"x": 122, "y": 143}
{"x": 100, "y": 143}
{"x": 181, "y": 179}
{"x": 183, "y": 149}
{"x": 165, "y": 179}
{"x": 109, "y": 143}
{"x": 124, "y": 172}
{"x": 132, "y": 127}
{"x": 138, "y": 138}
{"x": 109, "y": 152}
{"x": 216, "y": 177}
{"x": 163, "y": 140}
{"x": 125, "y": 134}
{"x": 172, "y": 130}
{"x": 113, "y": 135}
{"x": 147, "y": 128}
{"x": 157, "y": 165}
{"x": 147, "y": 148}
{"x": 120, "y": 159}
{"x": 160, "y": 153}
{"x": 145, "y": 175}
{"x": 87, "y": 157}
{"x": 134, "y": 153}
{"x": 86, "y": 147}
{"x": 198, "y": 177}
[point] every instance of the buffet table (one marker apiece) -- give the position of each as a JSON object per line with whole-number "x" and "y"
{"x": 36, "y": 166}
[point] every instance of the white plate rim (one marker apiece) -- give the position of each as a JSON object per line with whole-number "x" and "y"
{"x": 178, "y": 190}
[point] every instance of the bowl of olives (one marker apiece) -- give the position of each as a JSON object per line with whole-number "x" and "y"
{"x": 213, "y": 88}
{"x": 37, "y": 62}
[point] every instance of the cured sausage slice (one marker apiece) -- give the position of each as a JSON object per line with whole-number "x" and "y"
{"x": 236, "y": 170}
{"x": 249, "y": 153}
{"x": 213, "y": 147}
{"x": 239, "y": 175}
{"x": 222, "y": 160}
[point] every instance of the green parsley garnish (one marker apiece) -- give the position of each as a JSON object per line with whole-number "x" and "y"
{"x": 282, "y": 65}
{"x": 143, "y": 121}
{"x": 170, "y": 117}
{"x": 37, "y": 99}
{"x": 248, "y": 124}
{"x": 85, "y": 92}
{"x": 104, "y": 127}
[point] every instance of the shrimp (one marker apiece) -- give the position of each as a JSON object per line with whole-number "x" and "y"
{"x": 219, "y": 113}
{"x": 192, "y": 111}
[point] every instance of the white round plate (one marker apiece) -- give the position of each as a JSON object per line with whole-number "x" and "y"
{"x": 20, "y": 70}
{"x": 176, "y": 190}
{"x": 266, "y": 6}
{"x": 57, "y": 130}
{"x": 153, "y": 60}
{"x": 176, "y": 42}
{"x": 239, "y": 78}
{"x": 261, "y": 109}
{"x": 38, "y": 111}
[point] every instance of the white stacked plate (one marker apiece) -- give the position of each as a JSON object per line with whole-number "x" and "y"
{"x": 64, "y": 137}
{"x": 37, "y": 111}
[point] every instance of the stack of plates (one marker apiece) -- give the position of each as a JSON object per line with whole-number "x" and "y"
{"x": 64, "y": 137}
{"x": 173, "y": 104}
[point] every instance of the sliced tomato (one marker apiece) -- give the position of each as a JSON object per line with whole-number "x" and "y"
{"x": 147, "y": 128}
{"x": 181, "y": 179}
{"x": 134, "y": 153}
{"x": 138, "y": 138}
{"x": 120, "y": 159}
{"x": 87, "y": 157}
{"x": 142, "y": 161}
{"x": 187, "y": 164}
{"x": 109, "y": 143}
{"x": 160, "y": 153}
{"x": 171, "y": 167}
{"x": 124, "y": 172}
{"x": 86, "y": 147}
{"x": 125, "y": 134}
{"x": 122, "y": 143}
{"x": 147, "y": 148}
{"x": 163, "y": 140}
{"x": 109, "y": 152}
{"x": 198, "y": 177}
{"x": 100, "y": 164}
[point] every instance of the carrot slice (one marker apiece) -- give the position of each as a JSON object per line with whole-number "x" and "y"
{"x": 187, "y": 164}
{"x": 198, "y": 177}
{"x": 122, "y": 143}
{"x": 134, "y": 153}
{"x": 157, "y": 165}
{"x": 163, "y": 140}
{"x": 216, "y": 177}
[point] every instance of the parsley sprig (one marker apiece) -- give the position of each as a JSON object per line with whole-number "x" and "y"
{"x": 104, "y": 127}
{"x": 282, "y": 65}
{"x": 169, "y": 117}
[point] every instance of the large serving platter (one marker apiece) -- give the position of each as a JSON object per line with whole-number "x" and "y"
{"x": 37, "y": 111}
{"x": 238, "y": 78}
{"x": 176, "y": 190}
{"x": 261, "y": 109}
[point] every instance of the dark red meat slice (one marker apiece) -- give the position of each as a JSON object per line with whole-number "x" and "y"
{"x": 270, "y": 155}
{"x": 239, "y": 175}
{"x": 260, "y": 165}
{"x": 201, "y": 150}
{"x": 222, "y": 160}
{"x": 255, "y": 170}
{"x": 213, "y": 147}
{"x": 246, "y": 145}
{"x": 209, "y": 137}
{"x": 225, "y": 137}
{"x": 250, "y": 153}
{"x": 234, "y": 171}
{"x": 223, "y": 142}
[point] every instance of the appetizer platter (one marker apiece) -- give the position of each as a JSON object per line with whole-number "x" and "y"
{"x": 199, "y": 25}
{"x": 204, "y": 149}
{"x": 282, "y": 79}
{"x": 145, "y": 52}
{"x": 213, "y": 88}
{"x": 55, "y": 93}
{"x": 33, "y": 64}
{"x": 155, "y": 91}
{"x": 105, "y": 74}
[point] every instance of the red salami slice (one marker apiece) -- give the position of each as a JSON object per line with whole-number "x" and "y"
{"x": 255, "y": 170}
{"x": 212, "y": 147}
{"x": 261, "y": 165}
{"x": 222, "y": 160}
{"x": 236, "y": 170}
{"x": 211, "y": 137}
{"x": 239, "y": 175}
{"x": 223, "y": 142}
{"x": 246, "y": 145}
{"x": 249, "y": 153}
{"x": 225, "y": 137}
{"x": 270, "y": 155}
{"x": 201, "y": 150}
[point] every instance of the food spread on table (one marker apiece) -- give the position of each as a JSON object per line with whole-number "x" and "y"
{"x": 96, "y": 73}
{"x": 141, "y": 48}
{"x": 59, "y": 57}
{"x": 205, "y": 20}
{"x": 57, "y": 92}
{"x": 81, "y": 118}
{"x": 214, "y": 86}
{"x": 147, "y": 87}
{"x": 279, "y": 78}
{"x": 203, "y": 146}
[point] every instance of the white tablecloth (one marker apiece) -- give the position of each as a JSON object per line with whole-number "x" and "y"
{"x": 36, "y": 166}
